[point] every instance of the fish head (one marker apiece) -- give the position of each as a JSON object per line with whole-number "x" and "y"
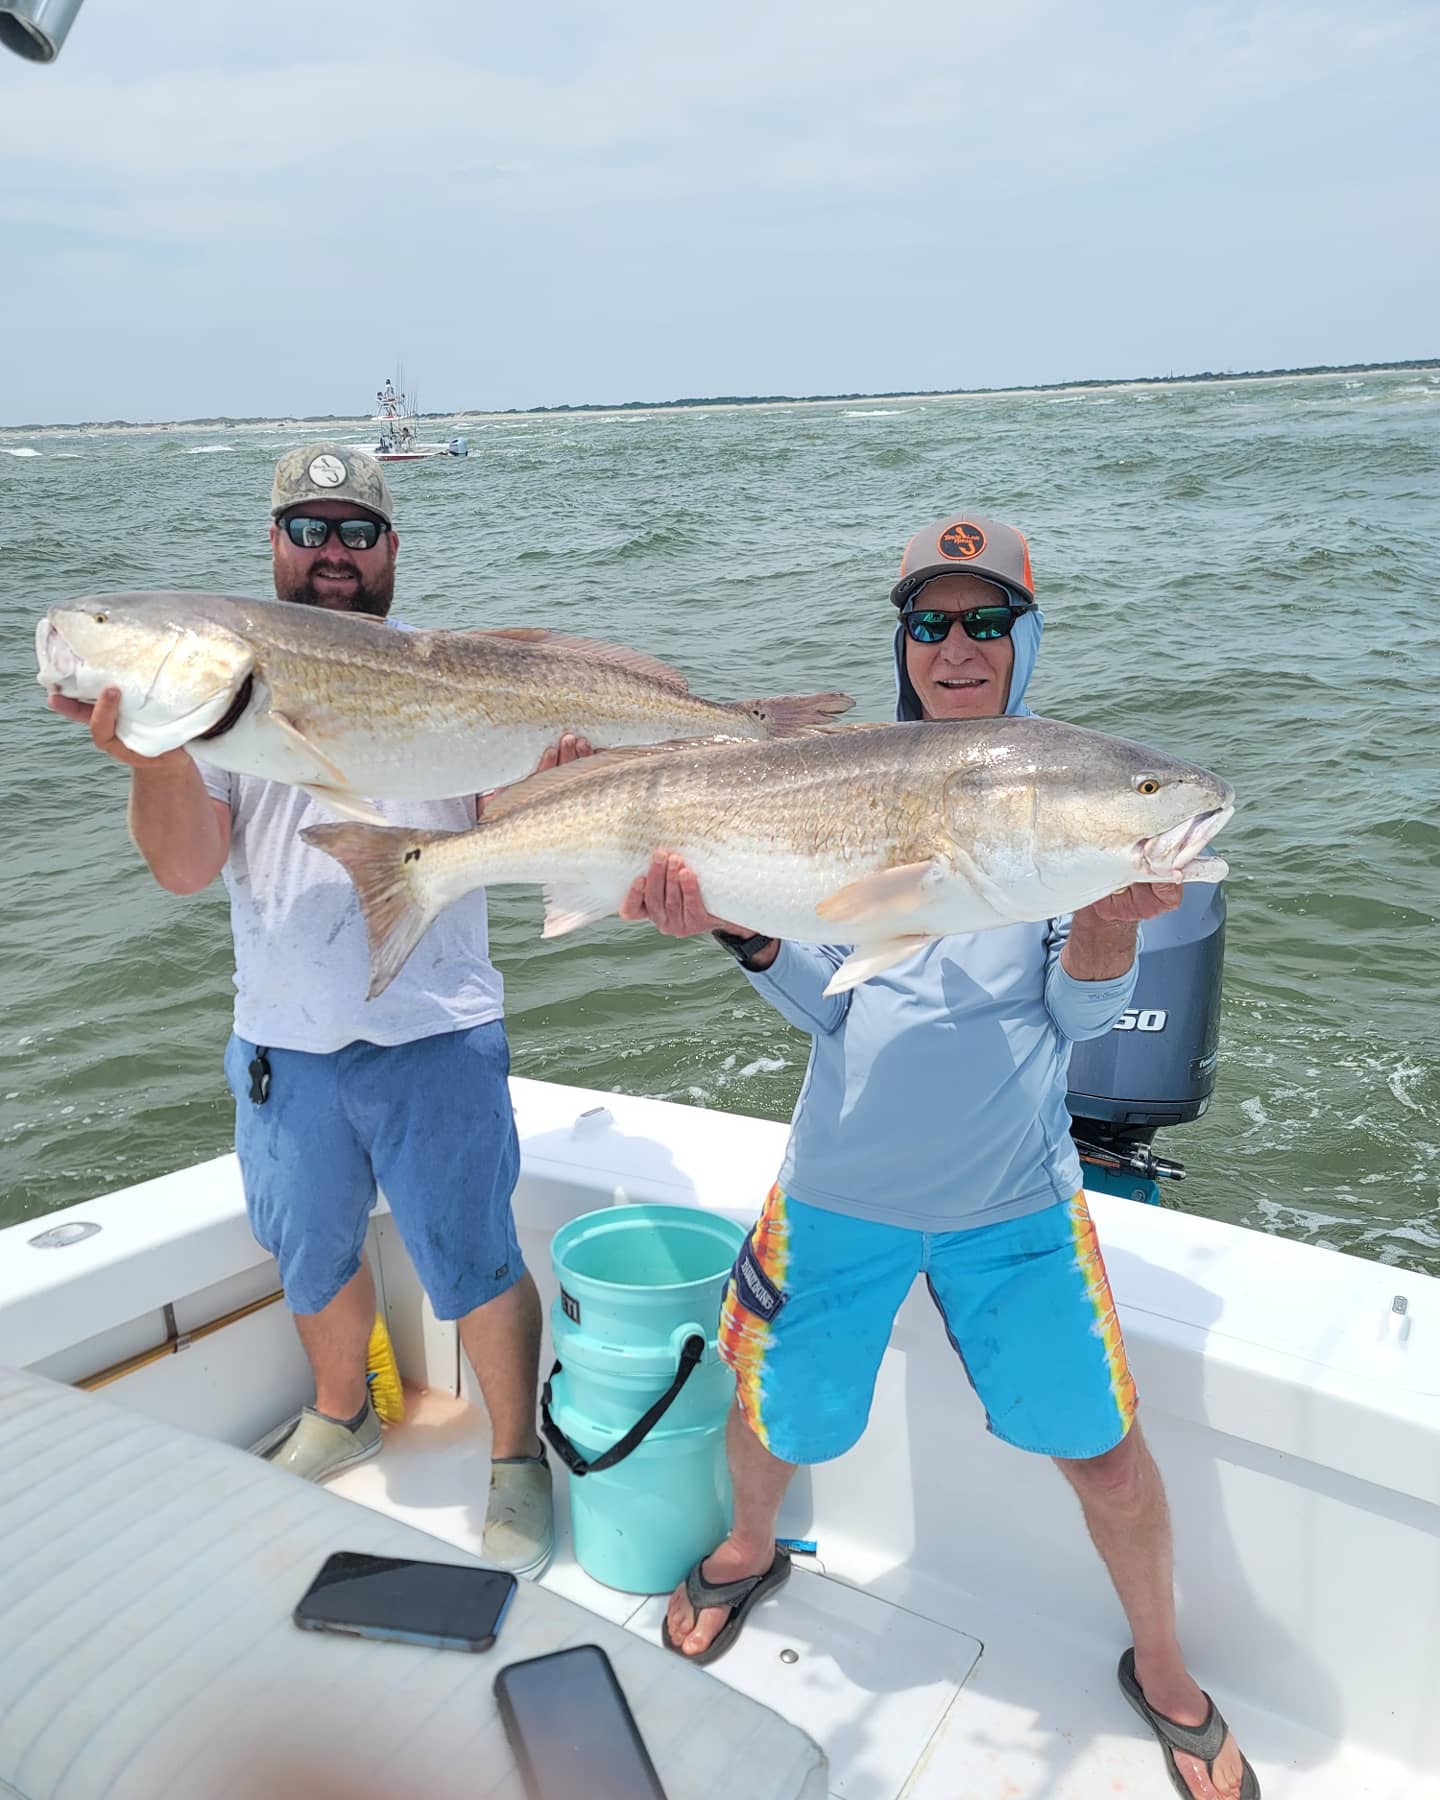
{"x": 178, "y": 669}
{"x": 1145, "y": 814}
{"x": 1074, "y": 814}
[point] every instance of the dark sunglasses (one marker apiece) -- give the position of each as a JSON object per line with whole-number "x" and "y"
{"x": 354, "y": 534}
{"x": 982, "y": 624}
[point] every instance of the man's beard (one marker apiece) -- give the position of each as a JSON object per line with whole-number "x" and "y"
{"x": 370, "y": 595}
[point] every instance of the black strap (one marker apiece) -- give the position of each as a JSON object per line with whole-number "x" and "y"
{"x": 693, "y": 1350}
{"x": 743, "y": 948}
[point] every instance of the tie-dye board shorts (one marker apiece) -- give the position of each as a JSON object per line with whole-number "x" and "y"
{"x": 810, "y": 1303}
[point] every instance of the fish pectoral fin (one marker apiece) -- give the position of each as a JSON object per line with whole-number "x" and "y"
{"x": 341, "y": 800}
{"x": 615, "y": 656}
{"x": 898, "y": 890}
{"x": 289, "y": 729}
{"x": 874, "y": 959}
{"x": 567, "y": 909}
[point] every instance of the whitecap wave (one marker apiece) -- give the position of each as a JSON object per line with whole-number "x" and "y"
{"x": 208, "y": 449}
{"x": 5, "y": 448}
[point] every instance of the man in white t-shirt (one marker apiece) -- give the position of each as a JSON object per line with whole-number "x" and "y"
{"x": 334, "y": 1093}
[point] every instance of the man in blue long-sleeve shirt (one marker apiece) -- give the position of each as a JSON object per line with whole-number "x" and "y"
{"x": 965, "y": 1043}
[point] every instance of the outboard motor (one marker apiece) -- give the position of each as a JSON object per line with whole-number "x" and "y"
{"x": 1156, "y": 1067}
{"x": 458, "y": 446}
{"x": 35, "y": 29}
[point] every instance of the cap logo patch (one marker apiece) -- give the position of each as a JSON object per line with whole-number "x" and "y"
{"x": 326, "y": 471}
{"x": 962, "y": 541}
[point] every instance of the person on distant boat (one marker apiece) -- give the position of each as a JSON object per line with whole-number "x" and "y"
{"x": 334, "y": 1094}
{"x": 932, "y": 1136}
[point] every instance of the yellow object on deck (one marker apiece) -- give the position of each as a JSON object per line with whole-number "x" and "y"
{"x": 383, "y": 1375}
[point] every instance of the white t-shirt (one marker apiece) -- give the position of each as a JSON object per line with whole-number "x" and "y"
{"x": 302, "y": 963}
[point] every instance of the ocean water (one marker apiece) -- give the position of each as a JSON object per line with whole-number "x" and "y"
{"x": 1243, "y": 574}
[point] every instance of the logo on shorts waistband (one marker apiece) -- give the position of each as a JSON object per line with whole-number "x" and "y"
{"x": 754, "y": 1289}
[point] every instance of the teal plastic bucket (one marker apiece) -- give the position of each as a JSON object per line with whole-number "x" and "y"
{"x": 637, "y": 1401}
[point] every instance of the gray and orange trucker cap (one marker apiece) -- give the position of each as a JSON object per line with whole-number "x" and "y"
{"x": 965, "y": 544}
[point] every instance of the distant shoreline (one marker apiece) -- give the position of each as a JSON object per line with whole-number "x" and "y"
{"x": 741, "y": 402}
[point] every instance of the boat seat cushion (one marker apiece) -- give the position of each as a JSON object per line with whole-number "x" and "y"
{"x": 147, "y": 1580}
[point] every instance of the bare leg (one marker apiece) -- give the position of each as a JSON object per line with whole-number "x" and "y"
{"x": 337, "y": 1340}
{"x": 1123, "y": 1500}
{"x": 759, "y": 1480}
{"x": 502, "y": 1340}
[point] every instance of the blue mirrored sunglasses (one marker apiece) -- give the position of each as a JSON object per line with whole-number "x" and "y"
{"x": 982, "y": 624}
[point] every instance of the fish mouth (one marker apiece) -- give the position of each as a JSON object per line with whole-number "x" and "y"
{"x": 1163, "y": 857}
{"x": 58, "y": 663}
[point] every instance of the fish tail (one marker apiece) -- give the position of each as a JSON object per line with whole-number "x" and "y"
{"x": 783, "y": 714}
{"x": 388, "y": 866}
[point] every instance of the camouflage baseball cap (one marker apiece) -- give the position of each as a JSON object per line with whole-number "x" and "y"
{"x": 965, "y": 544}
{"x": 329, "y": 472}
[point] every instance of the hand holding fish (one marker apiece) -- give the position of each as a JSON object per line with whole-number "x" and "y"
{"x": 102, "y": 717}
{"x": 1103, "y": 935}
{"x": 570, "y": 748}
{"x": 1131, "y": 905}
{"x": 668, "y": 895}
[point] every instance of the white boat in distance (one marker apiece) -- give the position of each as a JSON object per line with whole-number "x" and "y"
{"x": 397, "y": 429}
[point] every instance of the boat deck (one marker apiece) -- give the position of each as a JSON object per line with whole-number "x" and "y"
{"x": 955, "y": 1636}
{"x": 913, "y": 1686}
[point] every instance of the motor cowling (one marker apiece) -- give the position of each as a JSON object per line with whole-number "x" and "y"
{"x": 1156, "y": 1066}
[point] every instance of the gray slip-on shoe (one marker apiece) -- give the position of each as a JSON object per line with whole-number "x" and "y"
{"x": 317, "y": 1448}
{"x": 520, "y": 1516}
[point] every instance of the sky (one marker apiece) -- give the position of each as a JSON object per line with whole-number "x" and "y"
{"x": 260, "y": 209}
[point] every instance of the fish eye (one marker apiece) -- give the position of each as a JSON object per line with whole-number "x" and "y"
{"x": 1147, "y": 784}
{"x": 101, "y": 617}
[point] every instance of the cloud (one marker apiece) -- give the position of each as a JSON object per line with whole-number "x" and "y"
{"x": 260, "y": 155}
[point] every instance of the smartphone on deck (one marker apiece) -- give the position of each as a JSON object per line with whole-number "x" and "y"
{"x": 445, "y": 1606}
{"x": 572, "y": 1732}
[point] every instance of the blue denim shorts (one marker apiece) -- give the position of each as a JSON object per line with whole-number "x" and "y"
{"x": 429, "y": 1121}
{"x": 1027, "y": 1305}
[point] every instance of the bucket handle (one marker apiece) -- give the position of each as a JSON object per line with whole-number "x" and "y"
{"x": 690, "y": 1354}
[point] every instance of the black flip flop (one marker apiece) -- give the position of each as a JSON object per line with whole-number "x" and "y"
{"x": 740, "y": 1596}
{"x": 1203, "y": 1741}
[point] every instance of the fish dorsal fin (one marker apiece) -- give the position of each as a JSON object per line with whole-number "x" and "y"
{"x": 614, "y": 656}
{"x": 591, "y": 768}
